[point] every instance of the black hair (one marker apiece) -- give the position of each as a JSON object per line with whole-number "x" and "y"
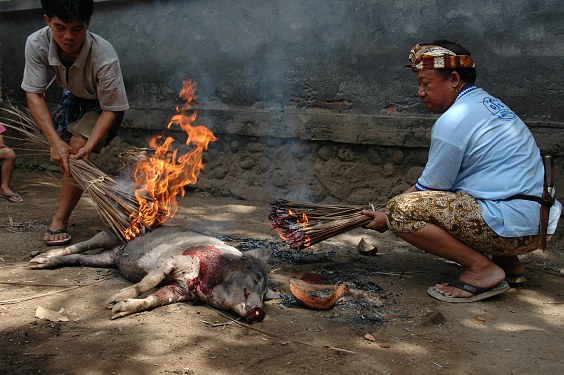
{"x": 468, "y": 75}
{"x": 68, "y": 10}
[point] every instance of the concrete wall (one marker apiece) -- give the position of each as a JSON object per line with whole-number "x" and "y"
{"x": 309, "y": 99}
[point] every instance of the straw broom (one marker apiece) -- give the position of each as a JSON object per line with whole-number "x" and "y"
{"x": 115, "y": 202}
{"x": 302, "y": 224}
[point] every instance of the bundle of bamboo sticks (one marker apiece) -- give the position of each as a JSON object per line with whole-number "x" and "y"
{"x": 20, "y": 120}
{"x": 302, "y": 224}
{"x": 114, "y": 201}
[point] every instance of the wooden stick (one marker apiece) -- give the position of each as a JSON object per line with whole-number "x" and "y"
{"x": 273, "y": 334}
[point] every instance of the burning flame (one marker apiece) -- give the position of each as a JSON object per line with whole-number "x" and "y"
{"x": 304, "y": 222}
{"x": 300, "y": 220}
{"x": 162, "y": 176}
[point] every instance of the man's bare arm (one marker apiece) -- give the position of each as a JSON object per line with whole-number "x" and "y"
{"x": 60, "y": 150}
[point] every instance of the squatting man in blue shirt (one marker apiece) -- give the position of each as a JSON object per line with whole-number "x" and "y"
{"x": 478, "y": 201}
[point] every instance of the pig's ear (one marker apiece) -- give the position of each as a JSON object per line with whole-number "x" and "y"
{"x": 262, "y": 255}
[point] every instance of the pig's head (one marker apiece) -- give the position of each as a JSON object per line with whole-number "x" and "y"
{"x": 243, "y": 285}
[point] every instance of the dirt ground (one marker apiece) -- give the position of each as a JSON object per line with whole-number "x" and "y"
{"x": 518, "y": 332}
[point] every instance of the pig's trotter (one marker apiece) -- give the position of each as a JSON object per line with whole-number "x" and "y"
{"x": 130, "y": 306}
{"x": 44, "y": 259}
{"x": 134, "y": 305}
{"x": 42, "y": 262}
{"x": 122, "y": 295}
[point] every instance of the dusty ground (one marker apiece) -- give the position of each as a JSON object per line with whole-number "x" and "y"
{"x": 519, "y": 332}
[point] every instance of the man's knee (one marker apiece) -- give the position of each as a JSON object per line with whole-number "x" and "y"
{"x": 401, "y": 214}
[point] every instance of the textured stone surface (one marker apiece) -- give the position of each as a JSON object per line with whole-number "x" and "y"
{"x": 310, "y": 100}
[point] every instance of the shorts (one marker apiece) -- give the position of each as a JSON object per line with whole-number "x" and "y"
{"x": 77, "y": 116}
{"x": 460, "y": 215}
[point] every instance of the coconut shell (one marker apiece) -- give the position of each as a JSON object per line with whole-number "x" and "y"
{"x": 308, "y": 294}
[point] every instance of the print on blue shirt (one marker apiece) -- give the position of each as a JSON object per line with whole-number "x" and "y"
{"x": 497, "y": 108}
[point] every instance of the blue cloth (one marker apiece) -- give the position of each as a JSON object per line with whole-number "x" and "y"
{"x": 481, "y": 147}
{"x": 72, "y": 108}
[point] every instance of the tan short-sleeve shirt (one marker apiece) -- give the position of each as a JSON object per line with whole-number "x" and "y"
{"x": 95, "y": 75}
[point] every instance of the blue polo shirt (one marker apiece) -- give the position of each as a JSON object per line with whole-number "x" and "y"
{"x": 479, "y": 146}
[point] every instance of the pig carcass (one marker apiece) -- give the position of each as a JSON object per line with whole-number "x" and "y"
{"x": 186, "y": 266}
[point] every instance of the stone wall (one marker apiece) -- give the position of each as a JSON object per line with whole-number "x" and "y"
{"x": 309, "y": 99}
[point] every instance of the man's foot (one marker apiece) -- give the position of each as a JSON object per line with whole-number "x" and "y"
{"x": 483, "y": 275}
{"x": 515, "y": 280}
{"x": 514, "y": 269}
{"x": 476, "y": 293}
{"x": 57, "y": 237}
{"x": 12, "y": 198}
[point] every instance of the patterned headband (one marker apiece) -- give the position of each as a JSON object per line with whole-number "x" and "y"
{"x": 429, "y": 57}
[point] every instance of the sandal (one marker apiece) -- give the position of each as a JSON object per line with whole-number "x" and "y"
{"x": 13, "y": 198}
{"x": 478, "y": 293}
{"x": 59, "y": 242}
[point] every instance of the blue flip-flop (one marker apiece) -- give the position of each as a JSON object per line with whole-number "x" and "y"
{"x": 62, "y": 241}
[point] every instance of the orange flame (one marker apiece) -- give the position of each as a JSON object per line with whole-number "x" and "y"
{"x": 304, "y": 222}
{"x": 162, "y": 176}
{"x": 281, "y": 234}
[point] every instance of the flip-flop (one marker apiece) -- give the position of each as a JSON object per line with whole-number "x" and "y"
{"x": 516, "y": 279}
{"x": 13, "y": 198}
{"x": 479, "y": 293}
{"x": 60, "y": 242}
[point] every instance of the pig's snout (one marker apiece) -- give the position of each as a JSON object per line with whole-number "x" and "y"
{"x": 251, "y": 307}
{"x": 255, "y": 315}
{"x": 251, "y": 312}
{"x": 254, "y": 311}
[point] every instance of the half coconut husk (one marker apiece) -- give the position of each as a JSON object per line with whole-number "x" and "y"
{"x": 317, "y": 296}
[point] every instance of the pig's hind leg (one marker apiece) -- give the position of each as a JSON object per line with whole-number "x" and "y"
{"x": 102, "y": 240}
{"x": 104, "y": 259}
